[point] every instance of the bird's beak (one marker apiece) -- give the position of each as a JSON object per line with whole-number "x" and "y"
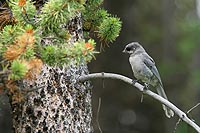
{"x": 124, "y": 51}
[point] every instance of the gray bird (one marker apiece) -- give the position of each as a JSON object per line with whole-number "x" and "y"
{"x": 144, "y": 69}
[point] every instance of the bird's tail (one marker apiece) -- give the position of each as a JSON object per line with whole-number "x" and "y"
{"x": 168, "y": 112}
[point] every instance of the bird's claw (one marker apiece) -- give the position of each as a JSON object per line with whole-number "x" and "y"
{"x": 146, "y": 86}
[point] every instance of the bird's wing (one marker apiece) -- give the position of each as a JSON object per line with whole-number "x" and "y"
{"x": 149, "y": 62}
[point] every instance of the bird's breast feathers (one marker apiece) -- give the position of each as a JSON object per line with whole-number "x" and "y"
{"x": 140, "y": 70}
{"x": 136, "y": 63}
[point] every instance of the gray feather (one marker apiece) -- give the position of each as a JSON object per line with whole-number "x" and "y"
{"x": 168, "y": 112}
{"x": 149, "y": 62}
{"x": 151, "y": 65}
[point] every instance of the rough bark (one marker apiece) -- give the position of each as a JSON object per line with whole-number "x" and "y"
{"x": 60, "y": 104}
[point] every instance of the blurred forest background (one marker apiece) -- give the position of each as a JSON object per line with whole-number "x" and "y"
{"x": 169, "y": 30}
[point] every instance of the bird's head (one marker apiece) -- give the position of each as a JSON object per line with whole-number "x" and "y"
{"x": 132, "y": 48}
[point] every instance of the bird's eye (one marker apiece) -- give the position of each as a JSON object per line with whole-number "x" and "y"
{"x": 128, "y": 48}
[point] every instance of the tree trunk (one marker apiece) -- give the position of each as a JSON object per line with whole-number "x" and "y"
{"x": 59, "y": 104}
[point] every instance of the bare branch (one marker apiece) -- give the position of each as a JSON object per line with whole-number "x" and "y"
{"x": 179, "y": 120}
{"x": 193, "y": 108}
{"x": 140, "y": 87}
{"x": 97, "y": 120}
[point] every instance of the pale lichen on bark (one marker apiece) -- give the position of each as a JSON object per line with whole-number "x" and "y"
{"x": 61, "y": 104}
